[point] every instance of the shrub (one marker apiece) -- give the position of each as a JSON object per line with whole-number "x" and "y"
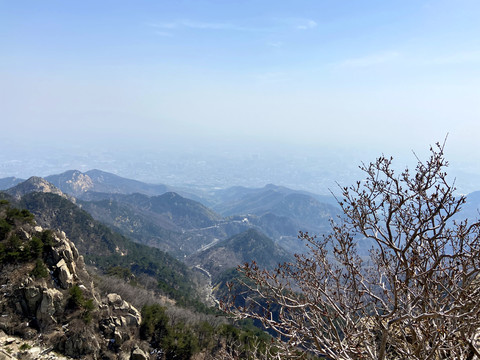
{"x": 25, "y": 347}
{"x": 40, "y": 270}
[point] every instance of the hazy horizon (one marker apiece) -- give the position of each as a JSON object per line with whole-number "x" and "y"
{"x": 115, "y": 82}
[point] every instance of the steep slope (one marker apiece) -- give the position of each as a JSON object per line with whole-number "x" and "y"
{"x": 184, "y": 213}
{"x": 303, "y": 210}
{"x": 105, "y": 248}
{"x": 48, "y": 303}
{"x": 142, "y": 226}
{"x": 247, "y": 246}
{"x": 100, "y": 245}
{"x": 169, "y": 222}
{"x": 77, "y": 183}
{"x": 181, "y": 226}
{"x": 48, "y": 296}
{"x": 176, "y": 211}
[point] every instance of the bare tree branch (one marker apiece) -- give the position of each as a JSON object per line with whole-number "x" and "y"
{"x": 416, "y": 296}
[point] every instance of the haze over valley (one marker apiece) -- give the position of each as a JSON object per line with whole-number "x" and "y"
{"x": 203, "y": 179}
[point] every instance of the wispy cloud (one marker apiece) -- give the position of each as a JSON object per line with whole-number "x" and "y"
{"x": 306, "y": 24}
{"x": 369, "y": 60}
{"x": 199, "y": 25}
{"x": 275, "y": 44}
{"x": 296, "y": 23}
{"x": 271, "y": 26}
{"x": 206, "y": 25}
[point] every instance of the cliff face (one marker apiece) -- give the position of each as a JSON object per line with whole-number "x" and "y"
{"x": 48, "y": 298}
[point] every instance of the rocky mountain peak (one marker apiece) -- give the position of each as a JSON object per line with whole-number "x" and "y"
{"x": 80, "y": 182}
{"x": 34, "y": 184}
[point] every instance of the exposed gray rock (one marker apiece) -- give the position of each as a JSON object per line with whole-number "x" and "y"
{"x": 81, "y": 343}
{"x": 120, "y": 337}
{"x": 64, "y": 251}
{"x": 124, "y": 356}
{"x": 32, "y": 296}
{"x": 134, "y": 317}
{"x": 138, "y": 354}
{"x": 4, "y": 355}
{"x": 35, "y": 184}
{"x": 124, "y": 306}
{"x": 51, "y": 304}
{"x": 65, "y": 278}
{"x": 38, "y": 309}
{"x": 114, "y": 299}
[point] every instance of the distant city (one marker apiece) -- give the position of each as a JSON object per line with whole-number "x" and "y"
{"x": 317, "y": 170}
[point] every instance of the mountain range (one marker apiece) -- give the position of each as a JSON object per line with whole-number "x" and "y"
{"x": 160, "y": 240}
{"x": 155, "y": 216}
{"x": 185, "y": 221}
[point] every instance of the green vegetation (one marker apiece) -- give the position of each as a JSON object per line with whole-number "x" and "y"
{"x": 123, "y": 273}
{"x": 40, "y": 270}
{"x": 10, "y": 216}
{"x": 5, "y": 228}
{"x": 78, "y": 301}
{"x": 180, "y": 340}
{"x": 109, "y": 250}
{"x": 13, "y": 249}
{"x": 25, "y": 347}
{"x": 177, "y": 341}
{"x": 177, "y": 337}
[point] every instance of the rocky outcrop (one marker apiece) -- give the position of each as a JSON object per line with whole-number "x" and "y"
{"x": 80, "y": 182}
{"x": 124, "y": 318}
{"x": 13, "y": 347}
{"x": 50, "y": 306}
{"x": 61, "y": 307}
{"x": 79, "y": 340}
{"x": 64, "y": 256}
{"x": 139, "y": 354}
{"x": 131, "y": 316}
{"x": 65, "y": 278}
{"x": 35, "y": 184}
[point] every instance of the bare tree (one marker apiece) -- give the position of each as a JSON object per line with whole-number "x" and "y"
{"x": 416, "y": 296}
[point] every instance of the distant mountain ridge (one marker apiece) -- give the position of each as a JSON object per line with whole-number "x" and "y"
{"x": 180, "y": 211}
{"x": 8, "y": 182}
{"x": 76, "y": 183}
{"x": 237, "y": 193}
{"x": 34, "y": 184}
{"x": 297, "y": 208}
{"x": 179, "y": 225}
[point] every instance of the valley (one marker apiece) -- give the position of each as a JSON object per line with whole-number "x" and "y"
{"x": 154, "y": 246}
{"x": 164, "y": 247}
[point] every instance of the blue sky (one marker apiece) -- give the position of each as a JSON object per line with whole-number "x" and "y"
{"x": 378, "y": 75}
